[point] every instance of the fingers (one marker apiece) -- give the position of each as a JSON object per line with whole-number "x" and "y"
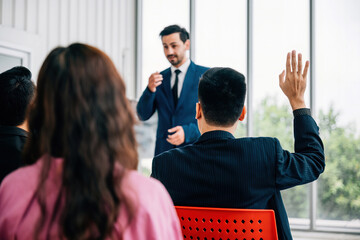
{"x": 293, "y": 81}
{"x": 174, "y": 139}
{"x": 288, "y": 68}
{"x": 178, "y": 136}
{"x": 157, "y": 84}
{"x": 174, "y": 129}
{"x": 307, "y": 64}
{"x": 173, "y": 136}
{"x": 291, "y": 63}
{"x": 175, "y": 142}
{"x": 155, "y": 80}
{"x": 291, "y": 66}
{"x": 293, "y": 56}
{"x": 299, "y": 63}
{"x": 157, "y": 77}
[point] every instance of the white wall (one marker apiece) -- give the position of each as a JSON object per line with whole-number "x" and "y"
{"x": 37, "y": 26}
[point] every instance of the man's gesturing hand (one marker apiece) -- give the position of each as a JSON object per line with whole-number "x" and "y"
{"x": 178, "y": 136}
{"x": 293, "y": 83}
{"x": 155, "y": 80}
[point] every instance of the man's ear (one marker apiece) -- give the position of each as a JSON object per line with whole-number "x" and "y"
{"x": 187, "y": 44}
{"x": 198, "y": 111}
{"x": 243, "y": 113}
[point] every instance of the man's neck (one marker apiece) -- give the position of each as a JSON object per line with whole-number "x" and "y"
{"x": 23, "y": 126}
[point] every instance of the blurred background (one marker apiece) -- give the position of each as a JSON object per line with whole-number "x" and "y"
{"x": 251, "y": 36}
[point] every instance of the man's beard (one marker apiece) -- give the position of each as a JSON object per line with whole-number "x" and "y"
{"x": 175, "y": 60}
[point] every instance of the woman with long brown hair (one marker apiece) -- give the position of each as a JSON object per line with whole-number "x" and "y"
{"x": 82, "y": 182}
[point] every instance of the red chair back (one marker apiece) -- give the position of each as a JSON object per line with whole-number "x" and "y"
{"x": 199, "y": 223}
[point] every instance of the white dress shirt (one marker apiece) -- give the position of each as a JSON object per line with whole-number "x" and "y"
{"x": 183, "y": 68}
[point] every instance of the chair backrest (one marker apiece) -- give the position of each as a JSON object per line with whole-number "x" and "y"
{"x": 199, "y": 223}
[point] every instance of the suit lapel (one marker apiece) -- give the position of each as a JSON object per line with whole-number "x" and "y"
{"x": 188, "y": 82}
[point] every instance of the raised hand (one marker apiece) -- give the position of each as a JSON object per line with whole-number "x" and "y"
{"x": 293, "y": 82}
{"x": 155, "y": 80}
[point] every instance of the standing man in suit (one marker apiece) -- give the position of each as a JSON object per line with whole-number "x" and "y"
{"x": 173, "y": 93}
{"x": 16, "y": 92}
{"x": 221, "y": 171}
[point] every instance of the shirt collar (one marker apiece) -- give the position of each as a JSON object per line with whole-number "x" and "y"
{"x": 12, "y": 130}
{"x": 214, "y": 135}
{"x": 183, "y": 68}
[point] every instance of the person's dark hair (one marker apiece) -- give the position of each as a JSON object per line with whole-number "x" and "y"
{"x": 222, "y": 94}
{"x": 16, "y": 92}
{"x": 184, "y": 35}
{"x": 81, "y": 114}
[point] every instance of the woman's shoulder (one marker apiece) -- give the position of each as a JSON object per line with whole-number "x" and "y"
{"x": 22, "y": 183}
{"x": 148, "y": 194}
{"x": 145, "y": 186}
{"x": 21, "y": 178}
{"x": 16, "y": 192}
{"x": 154, "y": 212}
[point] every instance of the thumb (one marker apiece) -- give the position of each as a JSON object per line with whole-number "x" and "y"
{"x": 282, "y": 77}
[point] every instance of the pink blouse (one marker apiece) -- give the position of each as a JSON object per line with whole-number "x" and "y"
{"x": 155, "y": 216}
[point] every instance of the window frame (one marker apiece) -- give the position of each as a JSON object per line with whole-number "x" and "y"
{"x": 313, "y": 192}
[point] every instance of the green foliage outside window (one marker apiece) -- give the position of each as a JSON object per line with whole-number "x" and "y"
{"x": 339, "y": 186}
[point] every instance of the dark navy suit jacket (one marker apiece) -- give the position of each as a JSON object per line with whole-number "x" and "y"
{"x": 169, "y": 116}
{"x": 12, "y": 141}
{"x": 221, "y": 171}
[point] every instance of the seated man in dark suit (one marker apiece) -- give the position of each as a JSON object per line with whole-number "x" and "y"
{"x": 221, "y": 171}
{"x": 16, "y": 92}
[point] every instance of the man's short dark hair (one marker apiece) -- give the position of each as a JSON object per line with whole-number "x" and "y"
{"x": 222, "y": 94}
{"x": 184, "y": 35}
{"x": 16, "y": 92}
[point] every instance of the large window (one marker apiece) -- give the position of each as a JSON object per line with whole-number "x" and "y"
{"x": 218, "y": 41}
{"x": 254, "y": 40}
{"x": 279, "y": 26}
{"x": 10, "y": 58}
{"x": 7, "y": 62}
{"x": 337, "y": 79}
{"x": 154, "y": 17}
{"x": 158, "y": 14}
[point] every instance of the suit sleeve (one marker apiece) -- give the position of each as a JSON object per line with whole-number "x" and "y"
{"x": 191, "y": 132}
{"x": 153, "y": 173}
{"x": 146, "y": 105}
{"x": 154, "y": 169}
{"x": 308, "y": 161}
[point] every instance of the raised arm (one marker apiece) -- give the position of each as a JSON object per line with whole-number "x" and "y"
{"x": 308, "y": 161}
